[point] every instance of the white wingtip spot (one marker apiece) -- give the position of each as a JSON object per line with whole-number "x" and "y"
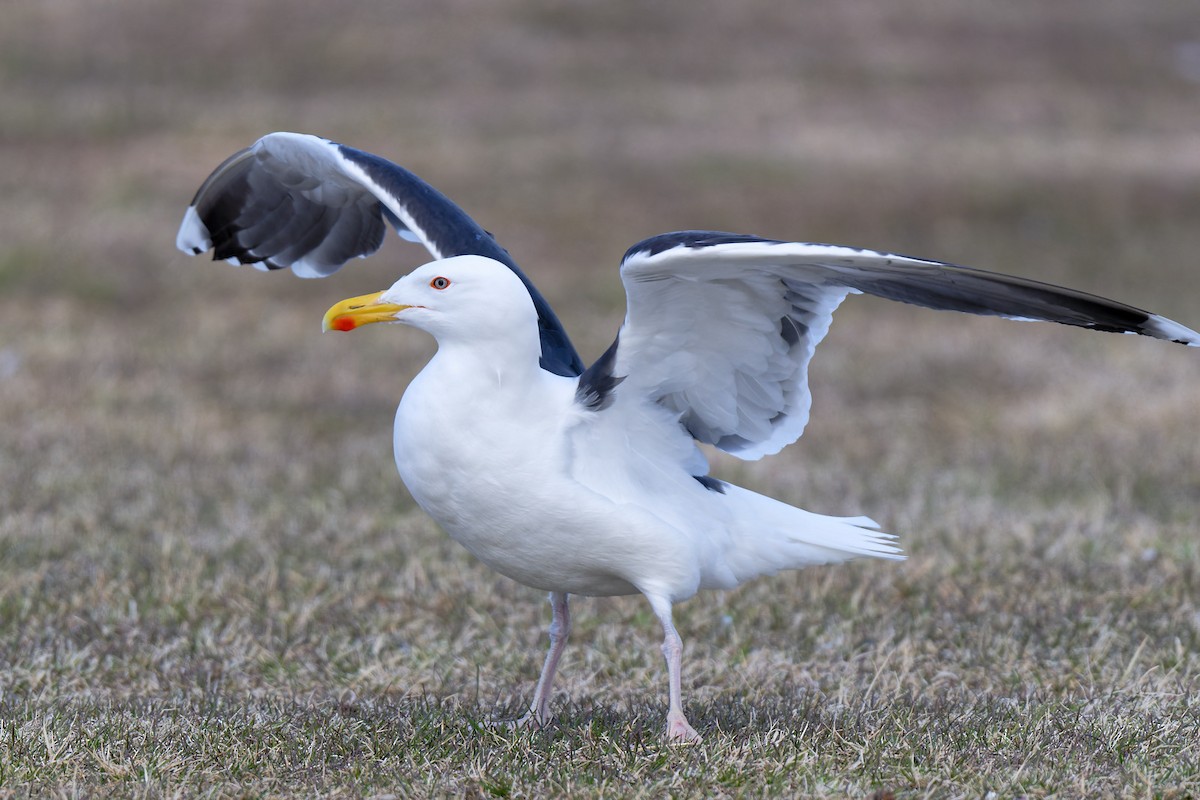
{"x": 304, "y": 268}
{"x": 1170, "y": 330}
{"x": 193, "y": 237}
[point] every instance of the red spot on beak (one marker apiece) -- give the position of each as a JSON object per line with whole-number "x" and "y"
{"x": 343, "y": 324}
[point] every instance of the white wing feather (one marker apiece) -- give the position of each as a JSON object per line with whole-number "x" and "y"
{"x": 720, "y": 328}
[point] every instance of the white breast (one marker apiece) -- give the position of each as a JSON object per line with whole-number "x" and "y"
{"x": 495, "y": 480}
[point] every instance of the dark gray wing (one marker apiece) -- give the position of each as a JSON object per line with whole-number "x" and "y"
{"x": 302, "y": 202}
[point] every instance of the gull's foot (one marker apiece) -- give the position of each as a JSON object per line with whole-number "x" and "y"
{"x": 528, "y": 722}
{"x": 679, "y": 731}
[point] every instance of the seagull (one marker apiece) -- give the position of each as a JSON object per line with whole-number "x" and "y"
{"x": 590, "y": 481}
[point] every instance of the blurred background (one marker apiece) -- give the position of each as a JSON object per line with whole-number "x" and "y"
{"x": 194, "y": 482}
{"x": 1057, "y": 141}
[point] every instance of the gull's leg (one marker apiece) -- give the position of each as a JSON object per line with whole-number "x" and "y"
{"x": 678, "y": 729}
{"x": 560, "y": 625}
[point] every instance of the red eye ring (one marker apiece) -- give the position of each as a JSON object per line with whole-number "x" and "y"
{"x": 440, "y": 282}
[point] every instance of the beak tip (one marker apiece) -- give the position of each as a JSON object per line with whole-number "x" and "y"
{"x": 340, "y": 323}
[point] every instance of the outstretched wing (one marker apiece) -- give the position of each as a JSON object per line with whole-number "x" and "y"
{"x": 720, "y": 327}
{"x": 298, "y": 201}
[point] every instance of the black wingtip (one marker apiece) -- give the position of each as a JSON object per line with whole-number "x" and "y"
{"x": 596, "y": 384}
{"x": 711, "y": 483}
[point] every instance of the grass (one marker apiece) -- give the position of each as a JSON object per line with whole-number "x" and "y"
{"x": 213, "y": 584}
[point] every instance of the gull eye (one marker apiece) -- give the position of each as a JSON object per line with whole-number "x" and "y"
{"x": 440, "y": 282}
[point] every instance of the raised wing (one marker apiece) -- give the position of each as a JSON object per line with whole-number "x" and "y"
{"x": 720, "y": 327}
{"x": 298, "y": 201}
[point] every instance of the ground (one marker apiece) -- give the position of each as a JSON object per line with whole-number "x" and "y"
{"x": 212, "y": 583}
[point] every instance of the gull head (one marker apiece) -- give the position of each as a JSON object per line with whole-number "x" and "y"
{"x": 464, "y": 297}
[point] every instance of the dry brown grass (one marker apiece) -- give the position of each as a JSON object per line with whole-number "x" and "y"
{"x": 212, "y": 582}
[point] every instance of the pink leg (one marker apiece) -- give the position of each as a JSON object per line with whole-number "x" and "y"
{"x": 678, "y": 729}
{"x": 560, "y": 625}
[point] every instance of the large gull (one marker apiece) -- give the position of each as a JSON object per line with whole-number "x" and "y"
{"x": 590, "y": 481}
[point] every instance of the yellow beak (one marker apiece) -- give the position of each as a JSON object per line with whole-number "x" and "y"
{"x": 350, "y": 314}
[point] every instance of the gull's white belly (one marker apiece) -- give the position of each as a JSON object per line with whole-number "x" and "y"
{"x": 502, "y": 491}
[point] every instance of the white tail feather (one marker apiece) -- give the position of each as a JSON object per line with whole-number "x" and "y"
{"x": 775, "y": 536}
